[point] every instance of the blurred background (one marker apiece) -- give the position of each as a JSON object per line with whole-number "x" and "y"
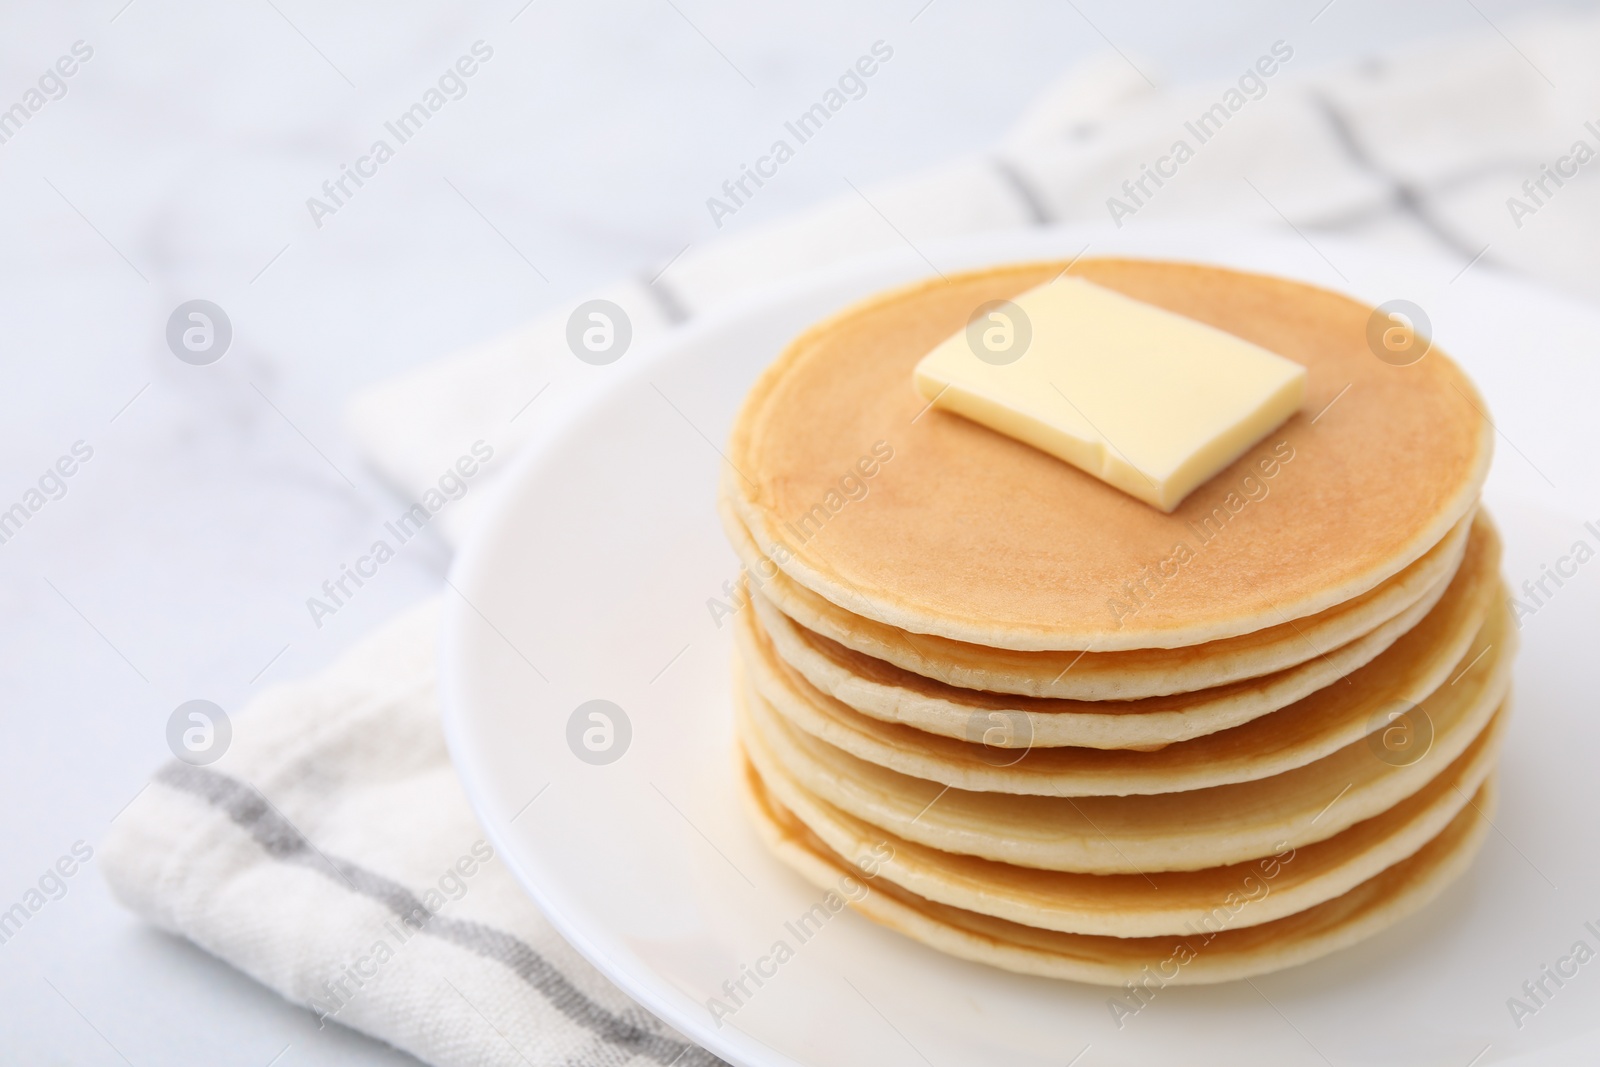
{"x": 176, "y": 164}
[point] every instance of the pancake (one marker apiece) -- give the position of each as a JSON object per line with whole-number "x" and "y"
{"x": 1215, "y": 952}
{"x": 1134, "y": 905}
{"x": 1132, "y": 673}
{"x": 1191, "y": 830}
{"x": 972, "y": 536}
{"x": 1322, "y": 723}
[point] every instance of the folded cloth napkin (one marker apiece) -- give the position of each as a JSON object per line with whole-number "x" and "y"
{"x": 330, "y": 852}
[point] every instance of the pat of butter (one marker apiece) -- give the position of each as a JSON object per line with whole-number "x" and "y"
{"x": 1149, "y": 401}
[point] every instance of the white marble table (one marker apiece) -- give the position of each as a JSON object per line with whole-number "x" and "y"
{"x": 177, "y": 165}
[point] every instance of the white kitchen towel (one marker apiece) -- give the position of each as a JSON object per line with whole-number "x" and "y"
{"x": 330, "y": 852}
{"x": 331, "y": 855}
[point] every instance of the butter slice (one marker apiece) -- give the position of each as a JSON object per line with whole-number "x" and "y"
{"x": 1151, "y": 402}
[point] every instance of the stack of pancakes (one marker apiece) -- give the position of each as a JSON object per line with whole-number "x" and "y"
{"x": 1056, "y": 730}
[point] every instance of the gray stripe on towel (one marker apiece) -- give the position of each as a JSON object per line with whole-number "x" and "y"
{"x": 666, "y": 299}
{"x": 1409, "y": 198}
{"x": 1024, "y": 189}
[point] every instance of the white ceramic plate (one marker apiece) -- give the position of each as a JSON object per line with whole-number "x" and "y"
{"x": 590, "y": 580}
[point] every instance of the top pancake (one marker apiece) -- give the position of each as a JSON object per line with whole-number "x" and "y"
{"x": 968, "y": 534}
